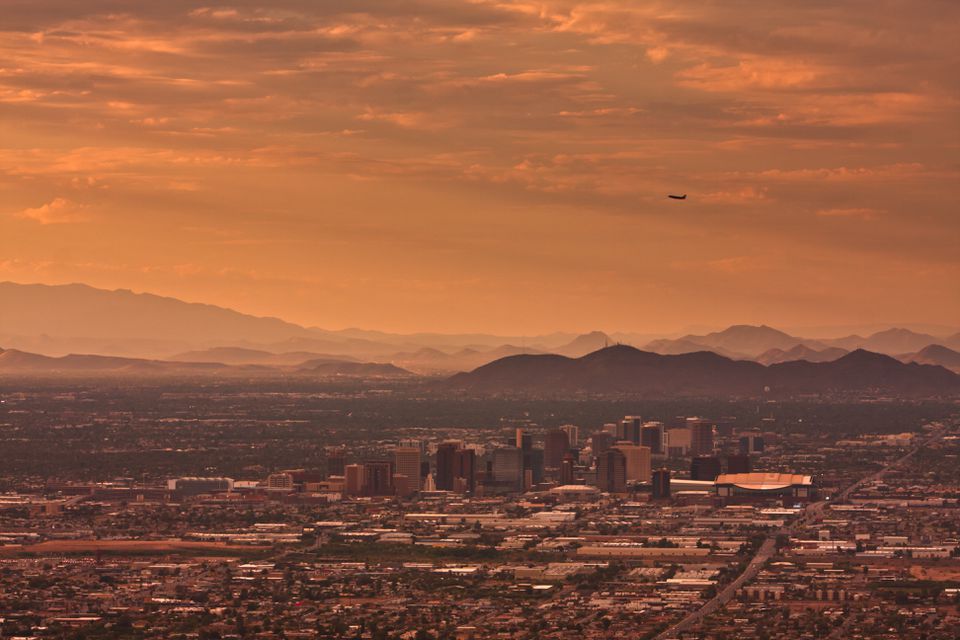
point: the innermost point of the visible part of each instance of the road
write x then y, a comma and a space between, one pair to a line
766, 551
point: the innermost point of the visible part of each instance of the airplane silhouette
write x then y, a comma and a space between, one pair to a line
683, 197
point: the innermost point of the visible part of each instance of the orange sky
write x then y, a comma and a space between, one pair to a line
490, 165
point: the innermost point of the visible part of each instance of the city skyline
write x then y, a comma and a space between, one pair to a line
489, 166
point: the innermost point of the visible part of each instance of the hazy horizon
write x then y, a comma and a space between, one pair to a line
813, 332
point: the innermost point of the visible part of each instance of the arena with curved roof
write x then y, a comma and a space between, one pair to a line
786, 485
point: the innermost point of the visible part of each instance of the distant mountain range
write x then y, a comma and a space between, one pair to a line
20, 362
624, 369
16, 362
743, 341
242, 356
77, 310
801, 352
63, 320
935, 354
746, 342
358, 369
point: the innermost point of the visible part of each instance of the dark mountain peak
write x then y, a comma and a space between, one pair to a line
862, 355
703, 357
614, 351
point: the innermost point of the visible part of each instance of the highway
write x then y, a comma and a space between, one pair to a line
767, 550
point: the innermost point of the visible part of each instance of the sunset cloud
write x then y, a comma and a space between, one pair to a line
862, 213
57, 211
466, 131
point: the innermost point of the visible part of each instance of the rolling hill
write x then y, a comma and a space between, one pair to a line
801, 352
16, 362
896, 340
622, 369
680, 346
736, 341
935, 354
354, 369
240, 356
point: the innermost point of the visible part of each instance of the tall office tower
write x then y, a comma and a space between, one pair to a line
353, 479
336, 460
725, 427
701, 436
524, 440
533, 462
406, 462
600, 442
738, 463
556, 445
446, 463
485, 474
508, 467
377, 478
424, 471
705, 468
751, 443
612, 471
413, 443
652, 435
629, 429
661, 484
465, 470
404, 486
678, 442
573, 434
638, 461
567, 468
611, 428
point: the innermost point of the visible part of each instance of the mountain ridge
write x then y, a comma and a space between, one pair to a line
17, 362
623, 369
58, 320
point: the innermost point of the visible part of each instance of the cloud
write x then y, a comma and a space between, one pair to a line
292, 115
57, 211
740, 196
405, 120
863, 213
